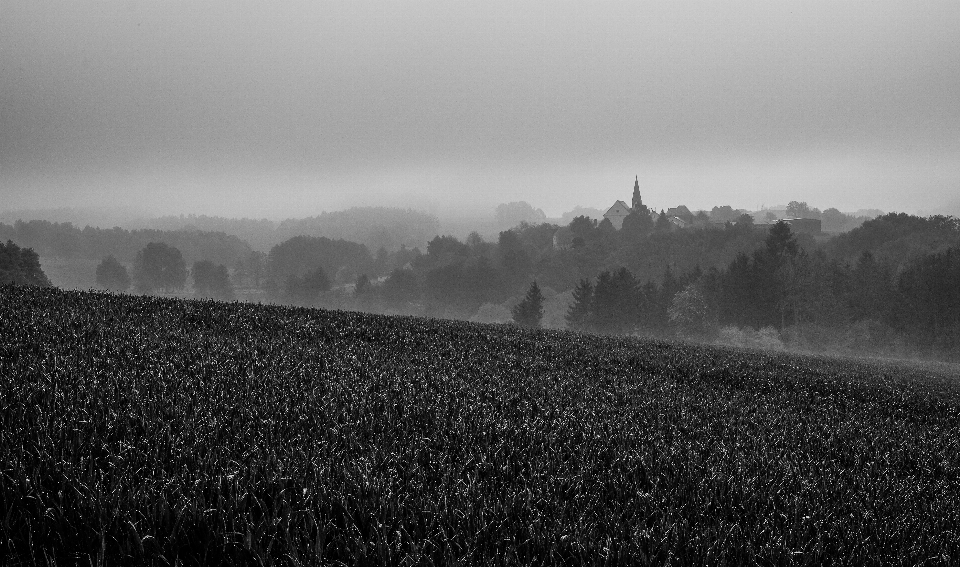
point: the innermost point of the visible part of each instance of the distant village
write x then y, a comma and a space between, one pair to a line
799, 216
681, 217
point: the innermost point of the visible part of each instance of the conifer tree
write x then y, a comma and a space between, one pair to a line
529, 312
579, 315
663, 223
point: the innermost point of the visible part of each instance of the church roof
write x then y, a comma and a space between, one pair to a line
618, 209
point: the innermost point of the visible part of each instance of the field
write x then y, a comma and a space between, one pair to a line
165, 431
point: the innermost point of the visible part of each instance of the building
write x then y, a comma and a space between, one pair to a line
619, 210
617, 213
797, 226
681, 212
804, 226
678, 222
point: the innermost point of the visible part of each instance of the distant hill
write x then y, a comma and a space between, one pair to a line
897, 238
374, 227
102, 217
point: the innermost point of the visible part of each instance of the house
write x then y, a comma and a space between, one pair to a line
678, 222
620, 210
617, 213
681, 212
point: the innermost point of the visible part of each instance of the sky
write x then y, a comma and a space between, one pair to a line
278, 109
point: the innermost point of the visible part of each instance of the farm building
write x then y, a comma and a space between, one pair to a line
804, 226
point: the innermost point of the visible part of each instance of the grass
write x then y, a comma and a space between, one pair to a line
165, 431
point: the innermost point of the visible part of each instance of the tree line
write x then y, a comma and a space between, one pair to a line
815, 301
888, 284
64, 240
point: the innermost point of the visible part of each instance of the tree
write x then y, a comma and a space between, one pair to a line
579, 314
159, 266
211, 280
663, 223
510, 215
872, 293
248, 271
402, 285
606, 227
529, 312
483, 281
442, 246
778, 269
833, 220
112, 275
255, 267
20, 266
446, 284
637, 224
512, 255
798, 210
689, 311
669, 287
781, 243
582, 227
302, 254
306, 289
362, 286
723, 214
615, 301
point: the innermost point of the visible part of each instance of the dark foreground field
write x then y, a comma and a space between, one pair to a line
140, 430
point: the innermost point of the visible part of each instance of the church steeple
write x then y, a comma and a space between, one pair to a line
637, 202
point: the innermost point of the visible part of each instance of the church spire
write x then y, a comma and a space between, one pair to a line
637, 201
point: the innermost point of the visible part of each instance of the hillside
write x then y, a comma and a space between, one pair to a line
136, 429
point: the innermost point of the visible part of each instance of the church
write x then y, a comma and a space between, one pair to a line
620, 210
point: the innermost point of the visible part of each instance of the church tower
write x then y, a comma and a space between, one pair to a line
637, 202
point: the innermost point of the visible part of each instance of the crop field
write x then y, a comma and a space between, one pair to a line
164, 431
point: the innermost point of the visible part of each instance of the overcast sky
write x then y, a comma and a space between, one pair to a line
257, 108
